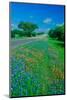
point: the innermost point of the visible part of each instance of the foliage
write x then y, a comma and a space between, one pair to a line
40, 33
17, 32
57, 33
27, 27
34, 34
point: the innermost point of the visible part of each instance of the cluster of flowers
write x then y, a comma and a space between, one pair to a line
22, 83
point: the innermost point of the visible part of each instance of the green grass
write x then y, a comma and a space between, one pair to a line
42, 70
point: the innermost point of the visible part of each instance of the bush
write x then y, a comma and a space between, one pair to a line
17, 33
57, 33
40, 33
34, 34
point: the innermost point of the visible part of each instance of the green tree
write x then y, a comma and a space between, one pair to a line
51, 33
16, 32
40, 33
57, 33
27, 27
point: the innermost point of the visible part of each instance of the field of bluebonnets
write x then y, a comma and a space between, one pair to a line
37, 68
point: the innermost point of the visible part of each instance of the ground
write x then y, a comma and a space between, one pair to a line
37, 67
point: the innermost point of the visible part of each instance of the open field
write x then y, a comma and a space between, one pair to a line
37, 68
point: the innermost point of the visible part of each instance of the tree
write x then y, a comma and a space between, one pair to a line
40, 33
57, 33
60, 32
16, 32
51, 33
27, 27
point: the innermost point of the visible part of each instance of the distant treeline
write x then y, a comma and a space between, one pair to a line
57, 33
25, 29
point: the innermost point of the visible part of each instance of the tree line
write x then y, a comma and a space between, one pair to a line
25, 29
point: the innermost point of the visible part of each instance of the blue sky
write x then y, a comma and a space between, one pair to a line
45, 16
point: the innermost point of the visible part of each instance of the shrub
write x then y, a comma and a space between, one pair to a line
17, 33
57, 33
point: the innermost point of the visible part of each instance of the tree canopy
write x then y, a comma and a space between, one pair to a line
57, 33
27, 27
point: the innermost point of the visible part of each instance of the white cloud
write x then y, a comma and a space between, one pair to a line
31, 16
47, 20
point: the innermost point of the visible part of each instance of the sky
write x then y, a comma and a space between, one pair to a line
45, 16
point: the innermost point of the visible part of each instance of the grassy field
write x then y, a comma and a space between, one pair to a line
37, 68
